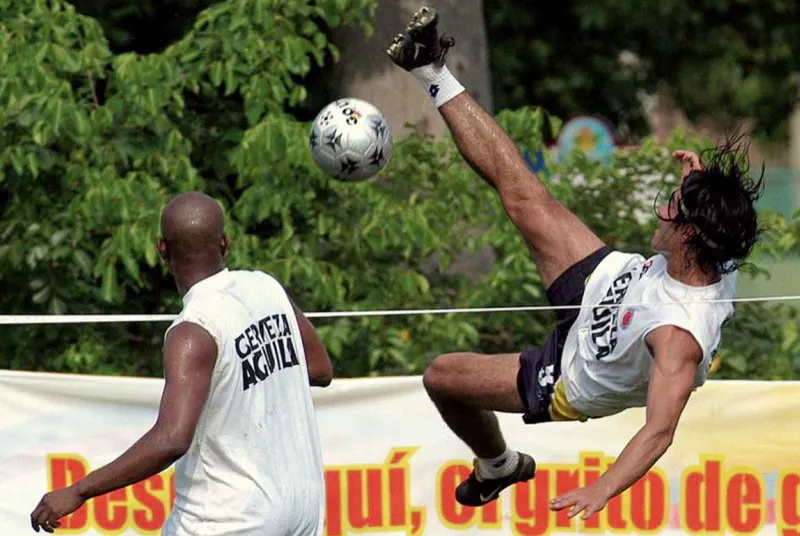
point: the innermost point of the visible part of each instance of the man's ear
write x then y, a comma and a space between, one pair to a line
162, 250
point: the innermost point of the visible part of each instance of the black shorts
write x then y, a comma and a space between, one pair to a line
540, 366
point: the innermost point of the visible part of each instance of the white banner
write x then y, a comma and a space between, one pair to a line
392, 465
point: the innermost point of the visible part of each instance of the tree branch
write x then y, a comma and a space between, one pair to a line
95, 100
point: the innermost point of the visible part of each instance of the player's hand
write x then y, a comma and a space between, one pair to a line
690, 161
53, 507
588, 500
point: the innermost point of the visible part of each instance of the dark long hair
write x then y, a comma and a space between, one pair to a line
717, 208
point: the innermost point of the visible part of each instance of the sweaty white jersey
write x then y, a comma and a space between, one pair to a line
606, 363
254, 467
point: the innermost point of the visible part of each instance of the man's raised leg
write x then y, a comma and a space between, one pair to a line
557, 238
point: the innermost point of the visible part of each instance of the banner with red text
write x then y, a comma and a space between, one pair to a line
392, 465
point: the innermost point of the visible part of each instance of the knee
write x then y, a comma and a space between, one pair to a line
441, 376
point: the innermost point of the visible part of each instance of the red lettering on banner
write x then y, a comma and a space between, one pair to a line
717, 502
593, 467
701, 497
398, 491
567, 479
788, 503
454, 515
372, 497
333, 503
649, 502
643, 508
143, 507
109, 515
490, 517
615, 515
745, 503
376, 498
64, 470
364, 507
153, 513
530, 515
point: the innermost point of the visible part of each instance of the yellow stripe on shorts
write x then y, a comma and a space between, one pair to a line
560, 408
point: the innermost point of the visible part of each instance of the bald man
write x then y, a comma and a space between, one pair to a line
236, 412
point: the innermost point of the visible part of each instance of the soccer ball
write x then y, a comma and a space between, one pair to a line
350, 140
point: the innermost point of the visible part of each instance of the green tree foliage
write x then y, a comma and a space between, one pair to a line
722, 58
94, 143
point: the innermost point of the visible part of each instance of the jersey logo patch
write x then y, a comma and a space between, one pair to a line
265, 348
627, 318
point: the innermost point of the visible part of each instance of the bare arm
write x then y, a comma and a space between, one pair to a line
320, 369
189, 357
676, 355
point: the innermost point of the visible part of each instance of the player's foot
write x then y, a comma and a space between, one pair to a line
420, 44
477, 491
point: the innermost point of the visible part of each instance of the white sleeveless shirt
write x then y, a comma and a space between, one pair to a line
606, 363
255, 465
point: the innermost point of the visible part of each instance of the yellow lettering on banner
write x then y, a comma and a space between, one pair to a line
142, 507
372, 498
787, 503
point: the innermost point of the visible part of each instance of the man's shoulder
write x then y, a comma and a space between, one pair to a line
254, 275
630, 256
618, 262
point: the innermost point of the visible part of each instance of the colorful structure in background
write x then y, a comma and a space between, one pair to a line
594, 137
590, 135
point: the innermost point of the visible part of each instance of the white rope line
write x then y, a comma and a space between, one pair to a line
98, 318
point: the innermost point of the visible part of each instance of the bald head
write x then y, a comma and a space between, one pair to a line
192, 228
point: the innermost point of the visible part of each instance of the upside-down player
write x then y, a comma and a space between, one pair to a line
611, 354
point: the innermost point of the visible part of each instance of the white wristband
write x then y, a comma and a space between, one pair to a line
439, 83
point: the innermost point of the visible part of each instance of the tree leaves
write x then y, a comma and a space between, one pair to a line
87, 162
94, 144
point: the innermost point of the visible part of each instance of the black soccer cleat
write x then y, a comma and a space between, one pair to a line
477, 491
420, 44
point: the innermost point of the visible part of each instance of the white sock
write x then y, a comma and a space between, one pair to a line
503, 465
439, 83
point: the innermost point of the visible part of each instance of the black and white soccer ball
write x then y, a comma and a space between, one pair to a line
350, 140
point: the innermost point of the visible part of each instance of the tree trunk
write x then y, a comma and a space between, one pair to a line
366, 72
